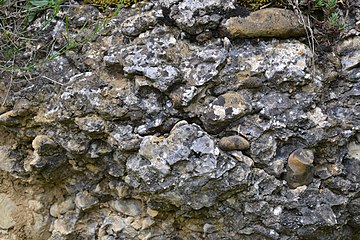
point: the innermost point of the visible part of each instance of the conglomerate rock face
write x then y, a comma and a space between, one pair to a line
168, 127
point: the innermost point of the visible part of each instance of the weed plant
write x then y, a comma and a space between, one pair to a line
22, 49
328, 18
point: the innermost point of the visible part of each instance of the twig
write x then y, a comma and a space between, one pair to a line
47, 78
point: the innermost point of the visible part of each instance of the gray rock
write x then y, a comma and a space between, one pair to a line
112, 224
9, 118
209, 228
91, 124
85, 200
58, 209
195, 17
66, 225
350, 57
130, 207
45, 146
225, 109
139, 23
48, 157
204, 66
147, 60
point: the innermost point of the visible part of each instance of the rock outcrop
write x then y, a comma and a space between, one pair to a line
167, 126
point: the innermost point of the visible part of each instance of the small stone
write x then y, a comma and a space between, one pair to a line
66, 225
130, 207
322, 171
45, 146
35, 205
223, 110
233, 143
92, 125
238, 155
182, 96
354, 150
9, 118
7, 163
300, 169
7, 206
137, 224
84, 200
210, 228
131, 232
48, 157
278, 210
113, 224
54, 210
57, 209
147, 222
349, 50
277, 167
152, 213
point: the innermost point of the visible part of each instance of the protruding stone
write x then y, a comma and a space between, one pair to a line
48, 156
66, 225
300, 168
7, 206
57, 209
112, 224
268, 22
210, 228
354, 150
9, 118
224, 109
130, 207
233, 143
84, 200
45, 146
151, 212
91, 124
147, 222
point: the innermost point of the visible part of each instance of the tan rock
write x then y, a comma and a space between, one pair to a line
300, 169
233, 143
268, 22
151, 212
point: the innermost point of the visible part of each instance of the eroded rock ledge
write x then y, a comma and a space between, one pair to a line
161, 128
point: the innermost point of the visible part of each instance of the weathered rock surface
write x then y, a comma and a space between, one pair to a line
162, 128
